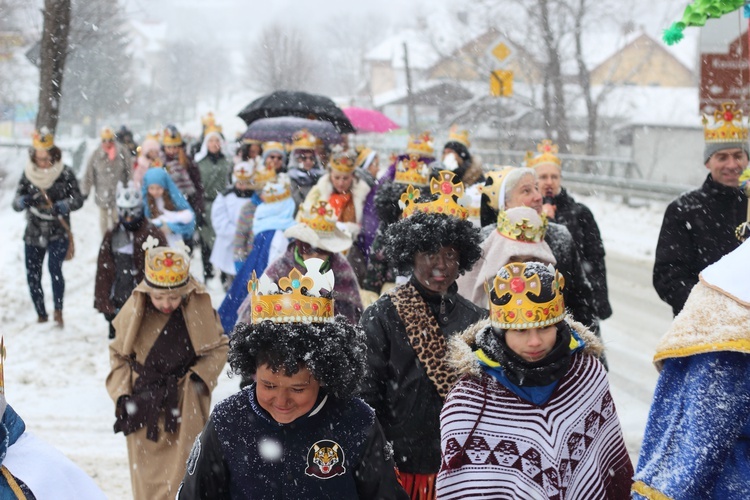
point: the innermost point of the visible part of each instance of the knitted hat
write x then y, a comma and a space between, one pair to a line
728, 131
275, 147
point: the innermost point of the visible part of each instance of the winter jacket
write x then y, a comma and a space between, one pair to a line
698, 229
225, 212
697, 439
225, 462
216, 171
302, 182
498, 444
243, 236
396, 383
187, 177
579, 297
108, 273
580, 222
42, 223
103, 175
323, 190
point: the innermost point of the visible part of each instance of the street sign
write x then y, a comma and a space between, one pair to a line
501, 51
501, 83
724, 63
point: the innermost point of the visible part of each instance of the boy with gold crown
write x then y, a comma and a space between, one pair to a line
168, 352
531, 415
699, 226
407, 377
297, 431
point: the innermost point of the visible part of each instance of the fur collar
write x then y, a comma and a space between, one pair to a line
462, 359
324, 189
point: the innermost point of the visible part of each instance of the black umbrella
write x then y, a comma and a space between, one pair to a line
302, 104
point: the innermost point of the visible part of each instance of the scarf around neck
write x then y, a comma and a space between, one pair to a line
43, 178
523, 373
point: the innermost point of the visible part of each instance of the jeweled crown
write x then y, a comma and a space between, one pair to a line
209, 124
297, 298
42, 139
522, 311
547, 154
421, 145
728, 125
523, 230
243, 171
342, 162
321, 218
278, 190
450, 194
166, 267
303, 140
460, 136
412, 170
494, 183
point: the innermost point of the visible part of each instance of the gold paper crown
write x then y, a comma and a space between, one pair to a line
321, 218
460, 136
413, 171
107, 134
522, 230
243, 172
342, 162
421, 145
154, 136
209, 120
276, 191
362, 154
171, 137
521, 312
728, 125
262, 175
493, 190
296, 299
43, 139
166, 267
303, 140
547, 155
445, 204
273, 145
212, 128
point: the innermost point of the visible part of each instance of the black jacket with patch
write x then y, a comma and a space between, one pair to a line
698, 229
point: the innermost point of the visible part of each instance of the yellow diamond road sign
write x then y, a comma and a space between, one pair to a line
500, 51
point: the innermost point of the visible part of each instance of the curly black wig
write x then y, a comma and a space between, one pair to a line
428, 232
333, 352
386, 202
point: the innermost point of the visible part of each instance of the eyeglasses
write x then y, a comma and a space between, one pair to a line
306, 158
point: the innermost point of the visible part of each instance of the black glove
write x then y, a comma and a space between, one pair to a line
37, 200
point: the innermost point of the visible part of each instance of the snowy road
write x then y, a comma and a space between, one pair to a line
55, 379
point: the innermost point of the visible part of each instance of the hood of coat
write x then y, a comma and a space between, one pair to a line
461, 347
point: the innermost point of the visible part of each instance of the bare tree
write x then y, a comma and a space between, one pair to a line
54, 51
281, 59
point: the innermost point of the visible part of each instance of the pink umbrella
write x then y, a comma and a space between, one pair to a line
369, 120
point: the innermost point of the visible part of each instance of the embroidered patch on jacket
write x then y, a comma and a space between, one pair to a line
325, 459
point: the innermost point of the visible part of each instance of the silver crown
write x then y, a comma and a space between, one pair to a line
130, 196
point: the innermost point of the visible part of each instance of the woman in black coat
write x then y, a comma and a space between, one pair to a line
48, 191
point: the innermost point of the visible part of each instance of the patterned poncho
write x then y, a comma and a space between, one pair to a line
498, 445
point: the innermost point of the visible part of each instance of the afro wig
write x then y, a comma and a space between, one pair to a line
428, 232
333, 352
386, 202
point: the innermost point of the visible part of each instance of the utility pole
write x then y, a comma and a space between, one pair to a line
409, 95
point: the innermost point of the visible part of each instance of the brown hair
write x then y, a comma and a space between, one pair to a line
55, 155
168, 203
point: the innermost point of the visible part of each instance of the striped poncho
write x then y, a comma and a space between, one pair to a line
497, 445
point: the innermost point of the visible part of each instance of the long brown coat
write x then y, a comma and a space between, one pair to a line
156, 468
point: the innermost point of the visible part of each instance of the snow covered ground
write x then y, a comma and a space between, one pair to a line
55, 378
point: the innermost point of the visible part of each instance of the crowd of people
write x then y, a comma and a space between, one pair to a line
422, 327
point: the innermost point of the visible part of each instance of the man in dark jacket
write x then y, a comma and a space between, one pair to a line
406, 333
561, 208
121, 263
699, 226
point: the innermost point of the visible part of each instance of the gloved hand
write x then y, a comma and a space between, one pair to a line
37, 200
157, 222
61, 208
121, 412
238, 265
